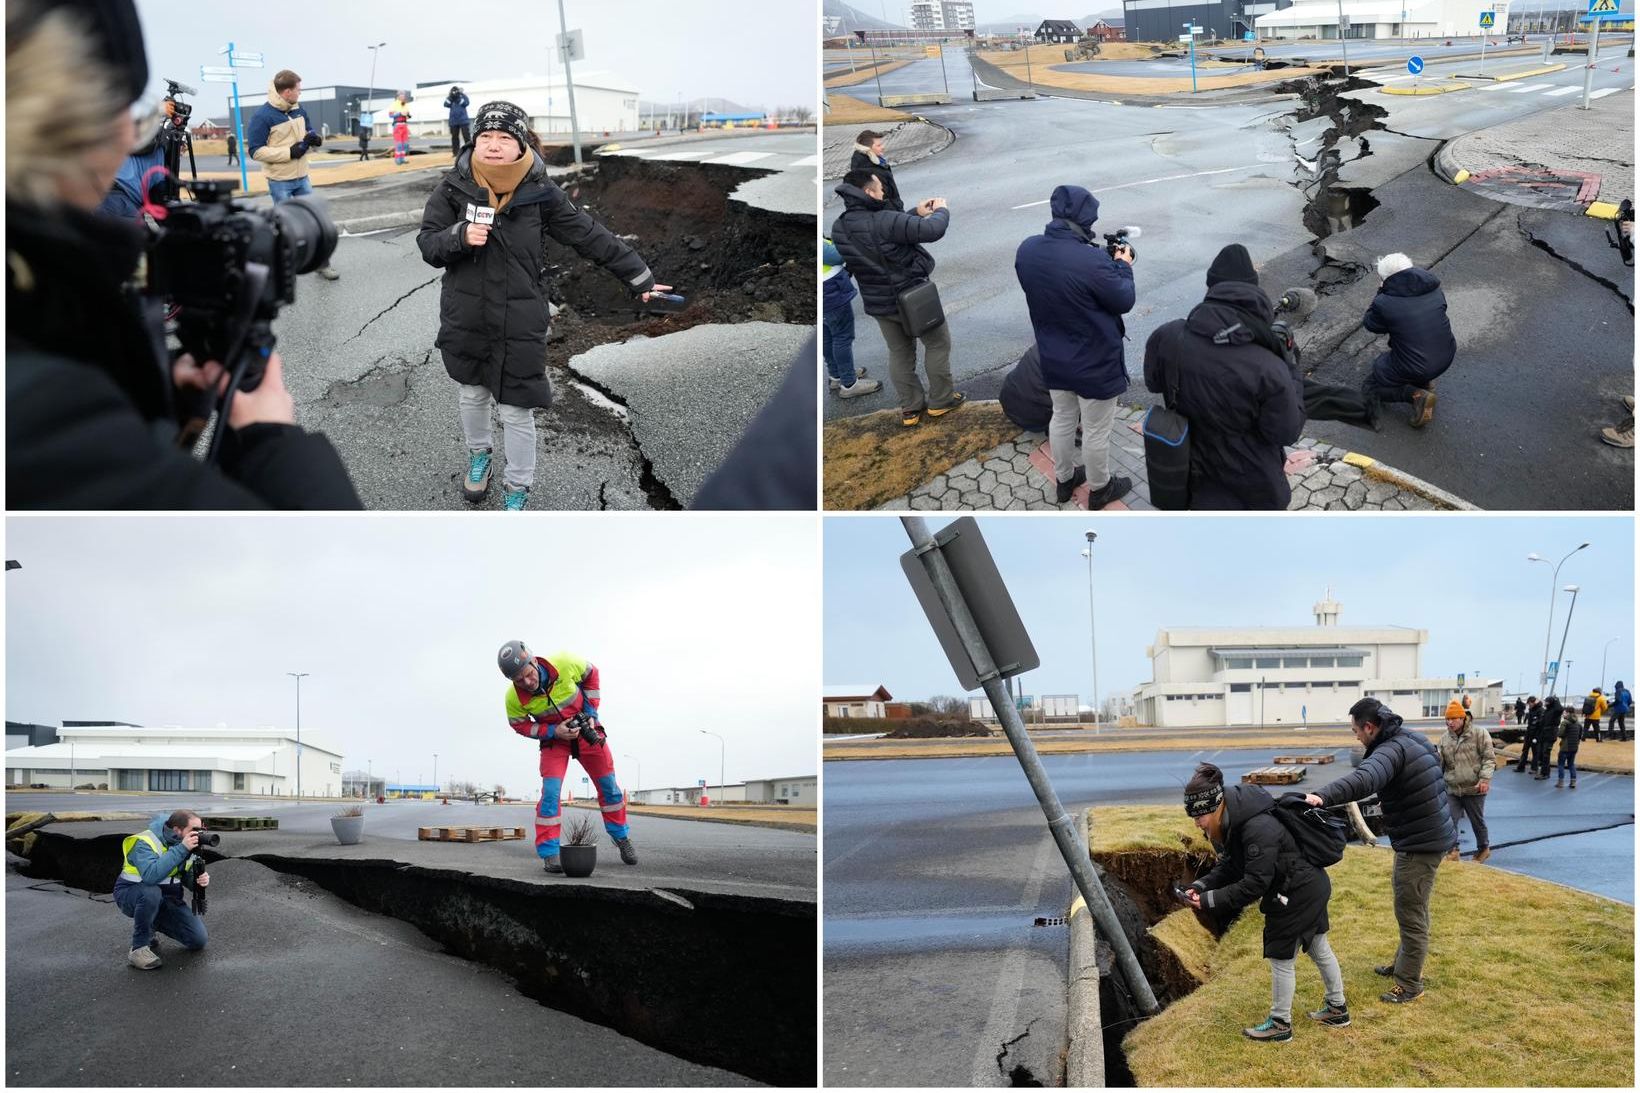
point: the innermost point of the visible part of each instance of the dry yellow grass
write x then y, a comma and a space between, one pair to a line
848, 110
866, 72
1042, 74
1610, 756
873, 458
795, 819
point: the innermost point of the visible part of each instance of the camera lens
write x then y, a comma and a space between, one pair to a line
309, 232
209, 838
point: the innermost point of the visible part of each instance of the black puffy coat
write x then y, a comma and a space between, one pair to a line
883, 249
90, 417
1244, 402
1411, 309
1405, 771
1547, 726
1260, 861
860, 161
493, 317
1024, 395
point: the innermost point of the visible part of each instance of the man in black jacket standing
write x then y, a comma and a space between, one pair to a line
1224, 369
1411, 308
1405, 771
868, 156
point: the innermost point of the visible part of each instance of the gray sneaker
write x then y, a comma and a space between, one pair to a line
552, 864
1329, 1014
858, 388
629, 854
327, 273
144, 959
837, 385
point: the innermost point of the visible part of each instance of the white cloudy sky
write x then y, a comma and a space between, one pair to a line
695, 622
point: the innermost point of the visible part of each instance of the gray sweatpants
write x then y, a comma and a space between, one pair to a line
517, 433
1095, 415
1472, 805
902, 365
1413, 882
1284, 978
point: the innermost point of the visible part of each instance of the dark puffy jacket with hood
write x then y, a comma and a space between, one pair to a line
863, 160
1547, 726
1405, 771
1243, 401
1260, 861
493, 317
1077, 295
456, 103
1411, 309
883, 248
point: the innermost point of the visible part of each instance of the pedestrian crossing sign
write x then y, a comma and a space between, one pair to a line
1486, 16
1602, 6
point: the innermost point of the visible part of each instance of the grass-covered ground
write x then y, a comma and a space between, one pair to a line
1527, 983
848, 110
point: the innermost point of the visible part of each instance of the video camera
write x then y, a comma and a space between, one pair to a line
1120, 238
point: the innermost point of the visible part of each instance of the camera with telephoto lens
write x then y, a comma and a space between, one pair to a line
1121, 237
228, 269
590, 730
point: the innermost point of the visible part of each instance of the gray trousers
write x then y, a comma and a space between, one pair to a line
1474, 806
1095, 415
902, 365
1284, 978
1413, 882
517, 433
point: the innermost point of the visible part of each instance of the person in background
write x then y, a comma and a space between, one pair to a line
842, 377
1467, 765
279, 139
460, 131
1571, 735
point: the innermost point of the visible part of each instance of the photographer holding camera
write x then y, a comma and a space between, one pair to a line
1077, 293
96, 409
279, 139
159, 864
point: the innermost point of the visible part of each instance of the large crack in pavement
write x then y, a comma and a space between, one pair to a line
1329, 206
1544, 246
430, 281
1018, 1074
656, 492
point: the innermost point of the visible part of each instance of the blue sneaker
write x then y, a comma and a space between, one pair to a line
1273, 1029
514, 500
477, 485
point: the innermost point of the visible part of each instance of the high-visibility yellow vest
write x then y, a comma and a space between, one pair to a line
130, 872
561, 696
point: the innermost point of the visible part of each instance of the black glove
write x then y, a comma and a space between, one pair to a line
298, 150
314, 140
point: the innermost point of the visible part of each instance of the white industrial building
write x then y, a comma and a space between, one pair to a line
1378, 19
170, 759
603, 104
855, 700
1274, 675
803, 790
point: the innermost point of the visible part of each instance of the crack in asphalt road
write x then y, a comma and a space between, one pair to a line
394, 304
658, 494
1544, 246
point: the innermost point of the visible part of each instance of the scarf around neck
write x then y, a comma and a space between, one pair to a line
501, 180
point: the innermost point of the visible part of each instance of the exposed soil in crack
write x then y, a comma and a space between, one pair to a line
577, 404
1016, 1074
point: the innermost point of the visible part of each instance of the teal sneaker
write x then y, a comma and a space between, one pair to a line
477, 485
1273, 1029
515, 500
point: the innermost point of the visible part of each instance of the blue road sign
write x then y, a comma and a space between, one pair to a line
1249, 37
1415, 65
1487, 18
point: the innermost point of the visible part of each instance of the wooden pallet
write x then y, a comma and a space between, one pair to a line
468, 834
1301, 759
1274, 776
240, 823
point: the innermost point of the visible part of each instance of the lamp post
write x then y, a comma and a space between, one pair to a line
375, 52
435, 774
1572, 588
1603, 650
1093, 637
1549, 627
369, 778
639, 768
298, 677
722, 750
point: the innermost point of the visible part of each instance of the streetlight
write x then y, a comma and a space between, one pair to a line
369, 778
721, 752
1549, 627
435, 774
1572, 588
1603, 650
298, 677
639, 767
375, 52
1093, 638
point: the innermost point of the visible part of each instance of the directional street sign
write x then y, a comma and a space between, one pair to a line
220, 79
1415, 65
1486, 19
241, 62
572, 46
215, 70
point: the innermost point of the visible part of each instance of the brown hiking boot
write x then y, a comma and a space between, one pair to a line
1398, 994
1620, 435
1423, 408
1452, 855
1482, 854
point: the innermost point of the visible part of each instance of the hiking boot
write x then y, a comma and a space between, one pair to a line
516, 499
1114, 490
835, 384
957, 400
1628, 403
1336, 1016
1452, 855
629, 853
1423, 408
552, 864
1482, 854
1065, 489
1620, 435
476, 486
1273, 1029
1560, 783
1398, 994
859, 387
1573, 785
909, 418
144, 959
327, 273
1540, 777
1383, 969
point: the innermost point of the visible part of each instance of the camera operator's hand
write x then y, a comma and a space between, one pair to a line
203, 880
190, 839
658, 287
314, 140
269, 404
1193, 896
477, 235
1124, 253
567, 730
299, 149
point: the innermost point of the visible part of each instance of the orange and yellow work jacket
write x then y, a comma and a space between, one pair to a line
570, 685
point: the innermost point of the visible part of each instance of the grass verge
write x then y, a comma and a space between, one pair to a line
348, 172
848, 110
1042, 58
873, 458
1521, 973
866, 72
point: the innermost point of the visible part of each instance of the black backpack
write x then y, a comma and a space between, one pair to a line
1588, 705
1320, 835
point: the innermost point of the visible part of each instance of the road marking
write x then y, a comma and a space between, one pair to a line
1148, 181
1563, 91
1603, 92
1497, 87
806, 161
1525, 88
741, 157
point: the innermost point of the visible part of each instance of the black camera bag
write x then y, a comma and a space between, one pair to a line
1167, 450
1320, 835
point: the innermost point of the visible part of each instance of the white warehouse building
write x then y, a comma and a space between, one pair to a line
132, 757
603, 104
1277, 675
1377, 19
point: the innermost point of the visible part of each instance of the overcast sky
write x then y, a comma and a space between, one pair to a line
1464, 579
753, 52
695, 622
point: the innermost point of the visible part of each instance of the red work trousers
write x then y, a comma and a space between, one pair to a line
599, 764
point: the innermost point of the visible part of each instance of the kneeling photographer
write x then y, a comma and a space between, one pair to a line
98, 413
160, 866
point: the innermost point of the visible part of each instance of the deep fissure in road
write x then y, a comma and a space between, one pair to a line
721, 980
1332, 207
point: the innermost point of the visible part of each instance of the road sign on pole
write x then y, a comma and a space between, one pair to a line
993, 609
1487, 20
1415, 65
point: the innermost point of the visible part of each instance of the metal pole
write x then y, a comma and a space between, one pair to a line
298, 677
238, 127
1603, 650
1566, 630
1588, 69
1030, 83
1190, 29
375, 53
1093, 630
1059, 824
876, 70
569, 86
1345, 46
435, 774
943, 76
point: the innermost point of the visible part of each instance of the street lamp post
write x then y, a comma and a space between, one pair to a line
1549, 627
1603, 650
375, 52
722, 751
639, 768
1093, 637
369, 778
1572, 588
298, 677
435, 774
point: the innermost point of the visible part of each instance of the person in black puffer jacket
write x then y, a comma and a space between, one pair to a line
1243, 398
1260, 861
493, 308
1411, 308
1405, 771
98, 414
1546, 730
868, 156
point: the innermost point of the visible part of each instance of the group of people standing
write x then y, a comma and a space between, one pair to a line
1549, 720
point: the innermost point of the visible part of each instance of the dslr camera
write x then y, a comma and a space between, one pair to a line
590, 730
1121, 237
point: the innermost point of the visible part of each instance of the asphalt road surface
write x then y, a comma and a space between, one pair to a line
935, 869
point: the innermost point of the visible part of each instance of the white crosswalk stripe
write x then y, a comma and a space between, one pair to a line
1524, 89
741, 157
806, 161
1495, 87
1603, 92
1563, 91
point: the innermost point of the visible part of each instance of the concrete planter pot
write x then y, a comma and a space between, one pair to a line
578, 861
349, 829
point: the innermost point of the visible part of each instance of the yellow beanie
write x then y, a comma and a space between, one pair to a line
1455, 709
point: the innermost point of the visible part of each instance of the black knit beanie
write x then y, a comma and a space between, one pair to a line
115, 39
504, 117
1232, 264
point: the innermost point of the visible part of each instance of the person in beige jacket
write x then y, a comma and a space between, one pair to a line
279, 139
1467, 765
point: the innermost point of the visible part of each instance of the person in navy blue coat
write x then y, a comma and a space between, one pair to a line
1411, 308
460, 126
1077, 295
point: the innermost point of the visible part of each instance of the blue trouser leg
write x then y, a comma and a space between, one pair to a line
178, 922
838, 344
140, 903
609, 796
547, 821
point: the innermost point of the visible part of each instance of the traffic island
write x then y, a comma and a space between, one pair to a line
1425, 89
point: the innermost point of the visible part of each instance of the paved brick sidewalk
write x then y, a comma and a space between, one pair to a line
903, 143
1593, 146
1018, 476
